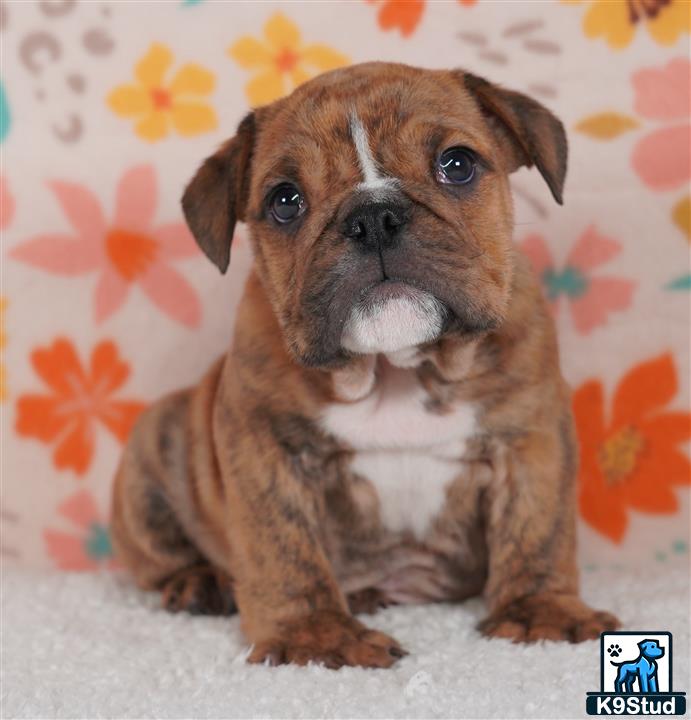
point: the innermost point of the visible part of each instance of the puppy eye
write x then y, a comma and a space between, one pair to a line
455, 166
286, 203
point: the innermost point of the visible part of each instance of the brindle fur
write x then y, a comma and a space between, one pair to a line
230, 493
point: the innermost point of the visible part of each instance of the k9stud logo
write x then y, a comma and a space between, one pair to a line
636, 676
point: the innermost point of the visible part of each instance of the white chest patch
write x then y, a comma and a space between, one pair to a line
408, 453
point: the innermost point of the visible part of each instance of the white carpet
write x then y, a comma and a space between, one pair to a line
91, 646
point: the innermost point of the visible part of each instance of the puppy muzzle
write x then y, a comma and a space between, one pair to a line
392, 316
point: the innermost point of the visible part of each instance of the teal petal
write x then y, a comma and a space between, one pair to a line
97, 543
571, 282
680, 547
5, 118
188, 3
682, 283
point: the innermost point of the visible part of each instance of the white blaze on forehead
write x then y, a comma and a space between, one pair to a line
373, 180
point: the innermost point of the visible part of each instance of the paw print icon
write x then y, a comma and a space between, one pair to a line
614, 650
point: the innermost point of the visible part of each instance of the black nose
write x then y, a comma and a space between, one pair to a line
375, 225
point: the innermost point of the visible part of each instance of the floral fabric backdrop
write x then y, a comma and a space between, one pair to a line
106, 109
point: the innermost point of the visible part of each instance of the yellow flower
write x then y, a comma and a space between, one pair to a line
156, 105
281, 62
617, 20
3, 342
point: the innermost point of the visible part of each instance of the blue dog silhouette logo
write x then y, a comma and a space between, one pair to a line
642, 670
636, 676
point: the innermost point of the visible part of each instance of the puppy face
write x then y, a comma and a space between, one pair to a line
378, 203
651, 649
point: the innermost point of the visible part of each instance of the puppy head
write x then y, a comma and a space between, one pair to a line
651, 649
378, 204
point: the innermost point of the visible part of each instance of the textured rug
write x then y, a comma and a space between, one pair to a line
91, 646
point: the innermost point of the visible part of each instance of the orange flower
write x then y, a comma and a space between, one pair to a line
618, 20
6, 204
631, 459
3, 342
157, 104
80, 396
404, 14
280, 60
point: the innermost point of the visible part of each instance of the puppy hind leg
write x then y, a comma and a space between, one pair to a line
147, 534
199, 590
147, 537
367, 601
152, 544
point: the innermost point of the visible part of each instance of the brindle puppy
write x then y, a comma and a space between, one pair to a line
390, 424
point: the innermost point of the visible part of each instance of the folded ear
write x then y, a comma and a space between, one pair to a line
528, 131
216, 197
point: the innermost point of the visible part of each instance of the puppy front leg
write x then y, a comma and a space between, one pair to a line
291, 607
532, 585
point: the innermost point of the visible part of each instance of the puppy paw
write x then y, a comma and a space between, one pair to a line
199, 590
331, 639
548, 617
368, 601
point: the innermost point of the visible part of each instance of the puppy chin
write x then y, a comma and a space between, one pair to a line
392, 317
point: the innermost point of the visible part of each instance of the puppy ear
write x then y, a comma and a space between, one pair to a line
529, 132
216, 197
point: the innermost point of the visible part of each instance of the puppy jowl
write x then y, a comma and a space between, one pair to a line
390, 425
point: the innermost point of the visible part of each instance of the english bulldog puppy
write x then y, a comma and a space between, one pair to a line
390, 424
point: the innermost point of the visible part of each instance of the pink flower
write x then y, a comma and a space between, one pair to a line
662, 158
6, 204
591, 299
89, 547
126, 252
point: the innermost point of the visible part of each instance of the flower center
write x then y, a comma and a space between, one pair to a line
286, 60
97, 542
131, 253
85, 400
642, 9
570, 281
161, 98
619, 453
